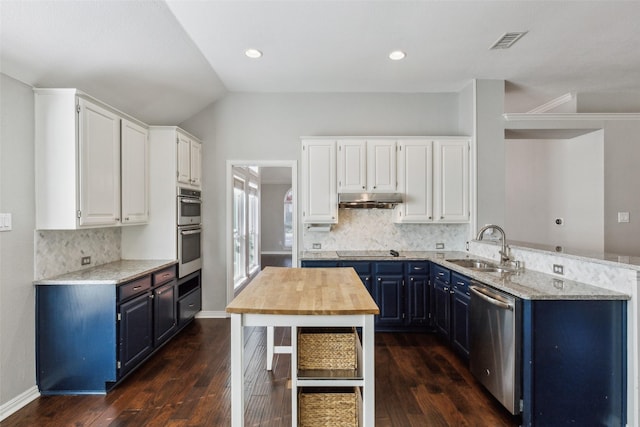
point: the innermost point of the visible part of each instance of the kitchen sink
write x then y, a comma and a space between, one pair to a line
480, 265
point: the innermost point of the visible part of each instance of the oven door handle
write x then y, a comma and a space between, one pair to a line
490, 297
191, 201
188, 232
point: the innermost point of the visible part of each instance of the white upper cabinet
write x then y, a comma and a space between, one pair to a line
135, 173
99, 147
367, 166
189, 161
381, 166
78, 161
415, 160
319, 190
352, 166
451, 180
434, 179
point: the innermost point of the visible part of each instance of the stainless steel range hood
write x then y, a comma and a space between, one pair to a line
369, 200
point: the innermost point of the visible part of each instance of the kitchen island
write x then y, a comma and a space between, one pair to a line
294, 297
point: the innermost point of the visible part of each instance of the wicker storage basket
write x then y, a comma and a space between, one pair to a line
327, 348
328, 407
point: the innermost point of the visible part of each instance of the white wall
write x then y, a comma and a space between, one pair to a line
549, 179
269, 126
17, 186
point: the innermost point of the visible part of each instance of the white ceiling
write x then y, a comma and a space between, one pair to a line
163, 62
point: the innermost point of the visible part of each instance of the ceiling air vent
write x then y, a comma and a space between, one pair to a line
507, 40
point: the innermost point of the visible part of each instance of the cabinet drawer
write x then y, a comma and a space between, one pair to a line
389, 267
189, 306
136, 287
163, 276
440, 273
460, 283
418, 268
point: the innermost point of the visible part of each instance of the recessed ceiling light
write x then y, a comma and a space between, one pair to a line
253, 53
397, 55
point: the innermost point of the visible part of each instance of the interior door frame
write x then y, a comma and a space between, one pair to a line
293, 164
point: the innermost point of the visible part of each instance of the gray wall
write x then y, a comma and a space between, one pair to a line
621, 180
17, 196
272, 217
269, 126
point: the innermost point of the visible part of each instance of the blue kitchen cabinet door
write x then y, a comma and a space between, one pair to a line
418, 301
460, 300
165, 311
389, 297
442, 308
136, 331
75, 338
388, 293
574, 363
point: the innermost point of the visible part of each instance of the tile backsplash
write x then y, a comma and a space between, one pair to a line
373, 229
59, 251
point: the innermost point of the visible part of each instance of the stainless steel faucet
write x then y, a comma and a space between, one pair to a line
504, 252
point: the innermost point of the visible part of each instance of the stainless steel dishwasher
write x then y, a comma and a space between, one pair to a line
494, 348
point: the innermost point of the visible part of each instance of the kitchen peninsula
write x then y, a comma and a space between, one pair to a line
294, 297
570, 343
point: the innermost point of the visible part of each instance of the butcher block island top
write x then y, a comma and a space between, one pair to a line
305, 291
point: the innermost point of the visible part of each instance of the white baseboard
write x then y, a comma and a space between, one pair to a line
275, 253
212, 315
19, 402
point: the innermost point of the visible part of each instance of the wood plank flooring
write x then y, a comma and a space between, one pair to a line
419, 382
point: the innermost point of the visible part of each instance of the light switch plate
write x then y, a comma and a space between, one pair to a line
5, 222
623, 216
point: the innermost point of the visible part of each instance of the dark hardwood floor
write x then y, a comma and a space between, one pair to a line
419, 382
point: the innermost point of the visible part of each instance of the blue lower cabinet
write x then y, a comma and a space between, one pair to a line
388, 284
399, 288
574, 363
459, 313
90, 337
417, 292
136, 332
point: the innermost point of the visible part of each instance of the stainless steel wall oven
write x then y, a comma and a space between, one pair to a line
189, 249
189, 207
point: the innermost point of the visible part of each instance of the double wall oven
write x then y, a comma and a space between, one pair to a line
189, 231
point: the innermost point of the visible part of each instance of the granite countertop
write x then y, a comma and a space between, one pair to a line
113, 273
526, 284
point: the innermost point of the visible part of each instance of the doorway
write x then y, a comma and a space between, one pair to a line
261, 219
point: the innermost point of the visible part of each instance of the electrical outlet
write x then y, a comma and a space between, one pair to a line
623, 216
317, 246
85, 260
558, 269
439, 245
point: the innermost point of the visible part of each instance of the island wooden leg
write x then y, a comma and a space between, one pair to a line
237, 371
